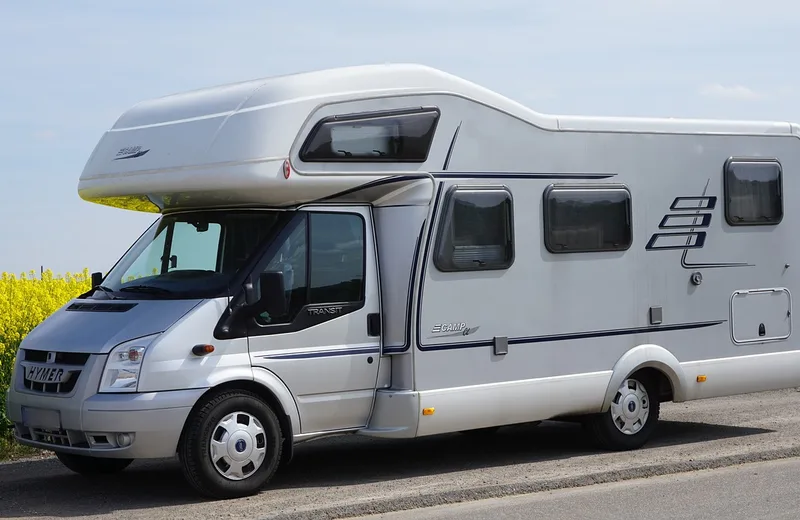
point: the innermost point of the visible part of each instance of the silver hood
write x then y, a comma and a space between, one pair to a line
96, 327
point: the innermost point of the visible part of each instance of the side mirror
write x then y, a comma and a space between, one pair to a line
272, 298
97, 279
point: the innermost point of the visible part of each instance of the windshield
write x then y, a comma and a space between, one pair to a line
191, 255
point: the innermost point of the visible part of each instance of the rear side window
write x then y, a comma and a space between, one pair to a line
389, 136
476, 230
581, 219
753, 192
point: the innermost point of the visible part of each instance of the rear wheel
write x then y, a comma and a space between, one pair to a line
632, 417
232, 446
91, 466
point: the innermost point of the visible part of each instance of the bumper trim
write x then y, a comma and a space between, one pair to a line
152, 421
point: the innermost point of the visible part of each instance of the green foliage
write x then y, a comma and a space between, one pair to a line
26, 301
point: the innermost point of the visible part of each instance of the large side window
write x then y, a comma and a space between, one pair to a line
753, 192
391, 136
322, 262
580, 219
476, 230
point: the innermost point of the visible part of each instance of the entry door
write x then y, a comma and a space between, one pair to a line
326, 347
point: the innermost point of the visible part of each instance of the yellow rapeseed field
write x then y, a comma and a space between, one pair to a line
25, 301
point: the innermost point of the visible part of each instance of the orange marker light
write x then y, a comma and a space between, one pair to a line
202, 350
428, 411
701, 379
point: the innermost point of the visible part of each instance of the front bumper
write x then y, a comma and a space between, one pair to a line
83, 422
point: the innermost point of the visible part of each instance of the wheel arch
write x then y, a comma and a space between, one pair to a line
269, 388
654, 360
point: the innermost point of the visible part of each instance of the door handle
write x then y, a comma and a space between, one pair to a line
373, 324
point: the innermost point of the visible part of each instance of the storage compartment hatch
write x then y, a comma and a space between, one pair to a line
760, 315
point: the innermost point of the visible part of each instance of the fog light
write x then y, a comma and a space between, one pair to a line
124, 440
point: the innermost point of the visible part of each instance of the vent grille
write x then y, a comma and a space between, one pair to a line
101, 307
60, 437
61, 358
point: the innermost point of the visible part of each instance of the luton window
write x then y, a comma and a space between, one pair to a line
753, 194
476, 231
389, 136
587, 219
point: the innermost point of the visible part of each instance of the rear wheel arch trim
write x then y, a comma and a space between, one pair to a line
644, 357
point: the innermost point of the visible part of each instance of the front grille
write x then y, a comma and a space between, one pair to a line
54, 388
71, 362
61, 358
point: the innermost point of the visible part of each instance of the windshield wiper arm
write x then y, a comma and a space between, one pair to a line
146, 289
106, 290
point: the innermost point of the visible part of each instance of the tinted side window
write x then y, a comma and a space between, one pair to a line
753, 192
587, 219
337, 258
291, 259
476, 231
397, 136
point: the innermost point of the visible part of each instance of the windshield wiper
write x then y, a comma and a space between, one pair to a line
106, 290
146, 289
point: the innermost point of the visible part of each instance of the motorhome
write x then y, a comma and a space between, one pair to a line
394, 251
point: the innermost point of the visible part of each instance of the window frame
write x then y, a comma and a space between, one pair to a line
344, 119
547, 197
303, 319
726, 174
362, 299
445, 226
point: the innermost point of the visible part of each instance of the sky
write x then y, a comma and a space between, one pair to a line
68, 70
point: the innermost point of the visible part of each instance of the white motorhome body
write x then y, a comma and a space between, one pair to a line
394, 251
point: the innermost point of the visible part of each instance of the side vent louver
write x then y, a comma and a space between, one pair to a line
101, 307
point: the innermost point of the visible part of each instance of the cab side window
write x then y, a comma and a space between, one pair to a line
337, 258
322, 262
291, 260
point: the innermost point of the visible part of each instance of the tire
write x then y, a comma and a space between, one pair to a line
92, 466
246, 432
631, 419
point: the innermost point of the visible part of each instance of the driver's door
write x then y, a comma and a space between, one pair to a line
326, 346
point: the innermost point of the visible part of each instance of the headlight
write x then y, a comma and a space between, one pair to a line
121, 373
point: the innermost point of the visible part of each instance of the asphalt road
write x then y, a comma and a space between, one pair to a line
764, 490
351, 476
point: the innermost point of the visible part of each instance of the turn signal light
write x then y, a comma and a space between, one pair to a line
428, 411
701, 379
202, 350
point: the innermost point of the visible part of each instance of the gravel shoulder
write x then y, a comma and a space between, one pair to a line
347, 477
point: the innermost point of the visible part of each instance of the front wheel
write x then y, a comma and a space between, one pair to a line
631, 419
232, 445
92, 466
